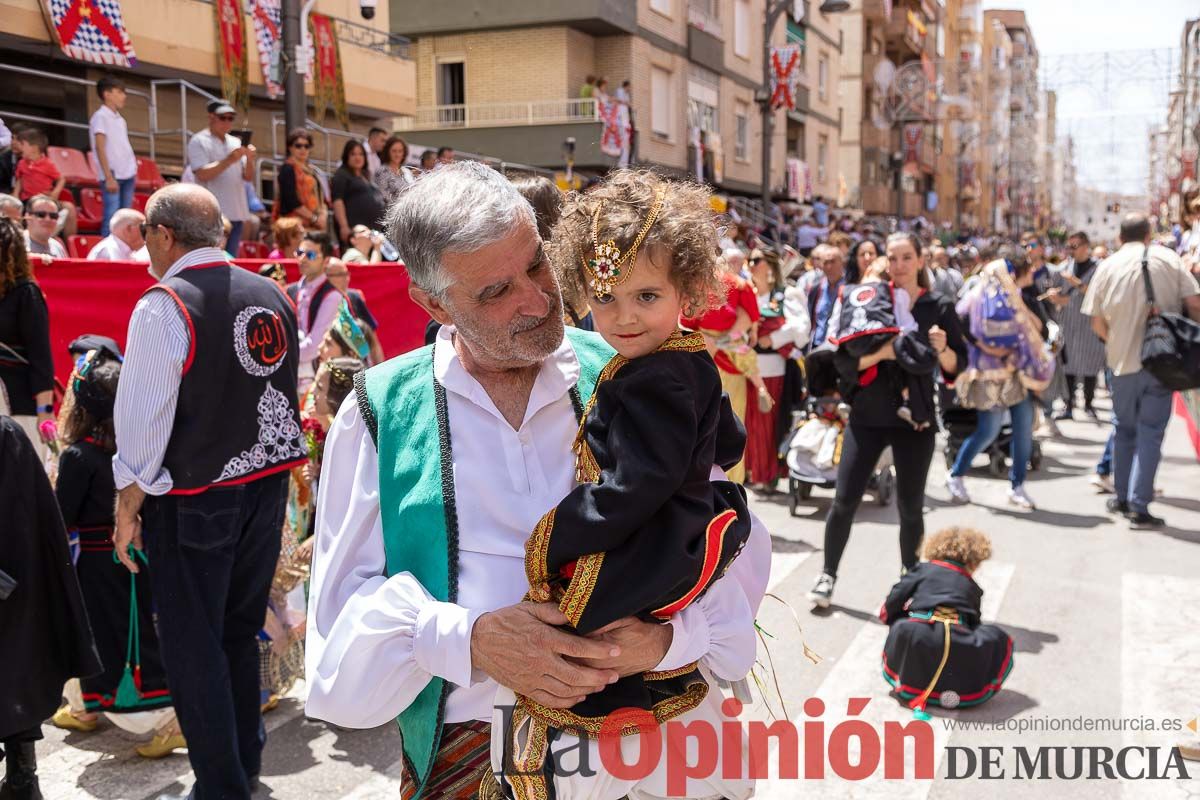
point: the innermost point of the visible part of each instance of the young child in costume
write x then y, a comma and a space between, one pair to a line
938, 602
868, 316
281, 641
647, 530
732, 325
132, 690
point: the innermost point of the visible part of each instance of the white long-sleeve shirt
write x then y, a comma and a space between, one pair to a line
311, 336
144, 414
375, 641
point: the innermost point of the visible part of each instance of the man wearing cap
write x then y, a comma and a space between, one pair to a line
220, 163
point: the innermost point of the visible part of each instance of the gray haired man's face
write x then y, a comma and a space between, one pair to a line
504, 300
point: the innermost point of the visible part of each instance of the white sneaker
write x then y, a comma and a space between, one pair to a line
1017, 497
957, 489
1103, 483
822, 590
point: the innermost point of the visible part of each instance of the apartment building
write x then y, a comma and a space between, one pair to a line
1024, 148
175, 42
891, 134
996, 123
505, 78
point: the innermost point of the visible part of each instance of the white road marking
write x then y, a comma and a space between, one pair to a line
1160, 648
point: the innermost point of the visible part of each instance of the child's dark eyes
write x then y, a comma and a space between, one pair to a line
602, 300
647, 297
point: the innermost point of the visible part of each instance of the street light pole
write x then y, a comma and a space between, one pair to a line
294, 101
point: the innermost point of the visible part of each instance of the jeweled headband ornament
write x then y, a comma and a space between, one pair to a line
351, 332
609, 267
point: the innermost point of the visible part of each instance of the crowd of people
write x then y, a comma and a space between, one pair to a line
368, 176
234, 502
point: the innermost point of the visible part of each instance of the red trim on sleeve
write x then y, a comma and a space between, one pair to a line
868, 375
714, 535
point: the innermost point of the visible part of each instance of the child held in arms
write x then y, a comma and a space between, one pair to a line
647, 530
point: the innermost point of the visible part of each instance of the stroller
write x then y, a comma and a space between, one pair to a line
813, 445
959, 423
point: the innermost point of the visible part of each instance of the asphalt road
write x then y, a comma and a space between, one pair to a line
1106, 623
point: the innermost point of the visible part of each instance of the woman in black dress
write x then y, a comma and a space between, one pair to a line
26, 367
874, 425
356, 201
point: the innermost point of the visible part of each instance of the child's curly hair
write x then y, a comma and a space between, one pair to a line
967, 546
685, 229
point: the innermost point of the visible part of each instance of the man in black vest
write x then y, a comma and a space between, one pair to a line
316, 299
207, 426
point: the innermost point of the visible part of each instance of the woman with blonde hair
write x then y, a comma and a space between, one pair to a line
287, 233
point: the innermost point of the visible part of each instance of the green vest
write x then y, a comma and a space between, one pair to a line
404, 408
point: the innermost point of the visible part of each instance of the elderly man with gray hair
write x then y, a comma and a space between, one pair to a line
436, 471
207, 425
125, 242
10, 207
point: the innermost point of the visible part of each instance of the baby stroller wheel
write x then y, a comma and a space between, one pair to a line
997, 464
885, 486
1035, 457
793, 489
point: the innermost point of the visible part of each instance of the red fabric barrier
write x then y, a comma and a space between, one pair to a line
98, 297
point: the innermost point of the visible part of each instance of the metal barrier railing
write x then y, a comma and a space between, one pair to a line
183, 130
62, 123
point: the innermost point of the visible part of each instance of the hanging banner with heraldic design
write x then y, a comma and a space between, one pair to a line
267, 27
232, 53
329, 88
90, 30
785, 76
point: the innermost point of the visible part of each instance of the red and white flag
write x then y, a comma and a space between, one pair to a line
267, 32
90, 30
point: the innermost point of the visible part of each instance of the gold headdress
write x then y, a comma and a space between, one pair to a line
610, 267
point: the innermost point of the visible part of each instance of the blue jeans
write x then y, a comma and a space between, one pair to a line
1142, 409
987, 428
1105, 465
115, 201
235, 238
214, 556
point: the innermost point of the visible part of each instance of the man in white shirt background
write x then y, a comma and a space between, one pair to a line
221, 164
376, 138
112, 154
125, 243
378, 636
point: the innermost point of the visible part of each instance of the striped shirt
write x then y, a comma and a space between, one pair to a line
155, 350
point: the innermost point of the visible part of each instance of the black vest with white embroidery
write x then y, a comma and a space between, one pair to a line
237, 418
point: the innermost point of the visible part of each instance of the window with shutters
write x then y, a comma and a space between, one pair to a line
661, 100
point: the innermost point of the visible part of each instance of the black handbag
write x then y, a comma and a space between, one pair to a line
1171, 345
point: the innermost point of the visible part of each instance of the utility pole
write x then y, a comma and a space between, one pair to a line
295, 62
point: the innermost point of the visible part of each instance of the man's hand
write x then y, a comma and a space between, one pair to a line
520, 647
110, 185
129, 531
251, 152
643, 645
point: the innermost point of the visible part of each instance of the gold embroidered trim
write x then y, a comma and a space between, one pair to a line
670, 673
579, 590
526, 778
663, 710
536, 551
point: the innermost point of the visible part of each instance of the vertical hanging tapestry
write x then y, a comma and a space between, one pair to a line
613, 138
90, 30
231, 53
785, 76
328, 87
267, 27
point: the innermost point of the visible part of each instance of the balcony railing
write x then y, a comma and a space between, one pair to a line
487, 115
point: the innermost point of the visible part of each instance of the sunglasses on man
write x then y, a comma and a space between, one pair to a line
311, 255
43, 214
227, 117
